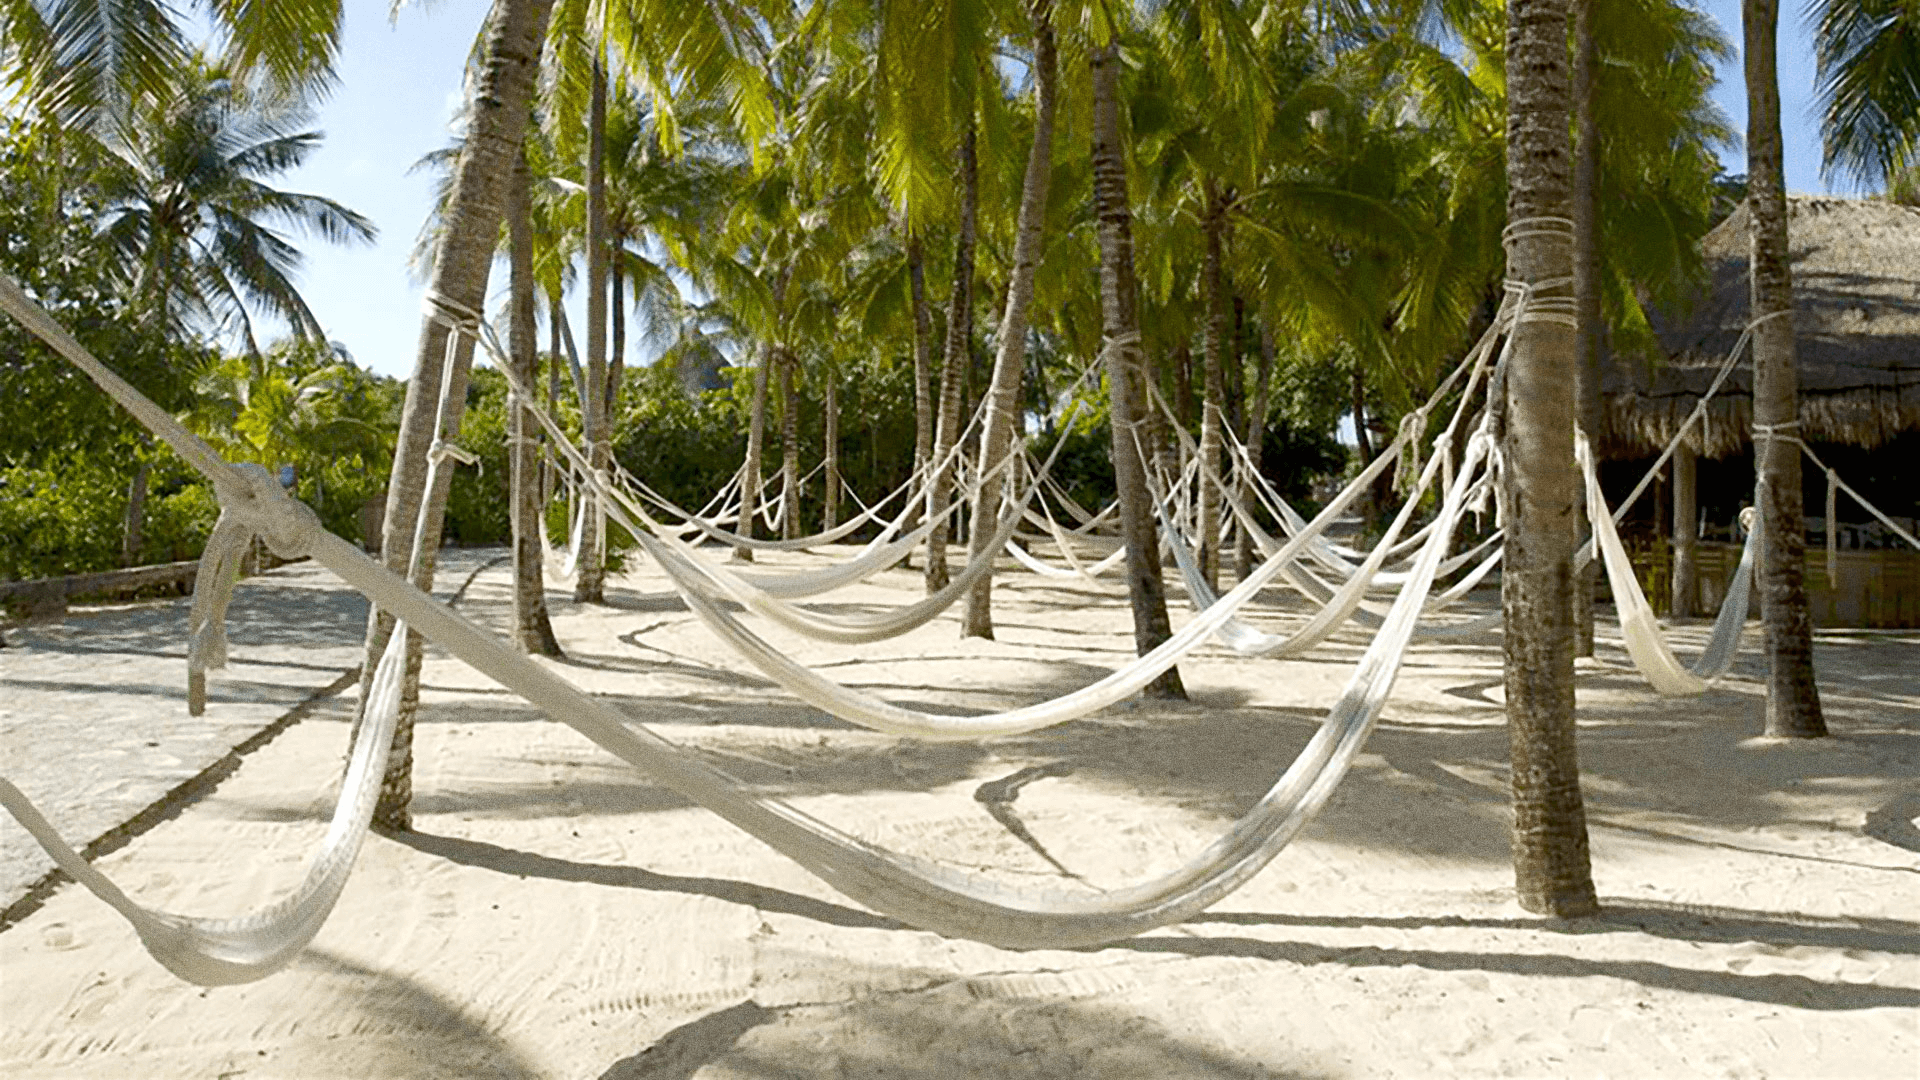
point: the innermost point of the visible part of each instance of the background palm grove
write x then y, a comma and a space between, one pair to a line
833, 195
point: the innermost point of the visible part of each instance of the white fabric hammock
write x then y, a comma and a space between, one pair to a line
925, 894
1646, 645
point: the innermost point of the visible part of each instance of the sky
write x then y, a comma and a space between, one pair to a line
400, 84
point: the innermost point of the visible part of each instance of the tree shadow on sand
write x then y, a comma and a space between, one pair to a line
944, 1032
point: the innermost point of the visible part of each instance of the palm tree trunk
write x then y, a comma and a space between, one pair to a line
789, 446
1214, 300
589, 584
1586, 294
1010, 357
1552, 871
954, 359
922, 355
617, 338
756, 447
497, 119
830, 508
1363, 437
1256, 439
133, 534
1793, 698
1126, 374
1182, 366
532, 629
1686, 525
548, 473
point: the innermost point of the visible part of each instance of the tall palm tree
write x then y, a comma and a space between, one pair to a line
1793, 697
1869, 77
1010, 353
532, 627
956, 353
498, 110
596, 422
187, 208
1586, 290
1126, 377
1552, 870
85, 61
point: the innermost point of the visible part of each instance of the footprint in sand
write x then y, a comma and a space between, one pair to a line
60, 937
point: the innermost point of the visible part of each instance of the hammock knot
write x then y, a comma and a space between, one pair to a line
288, 525
1406, 471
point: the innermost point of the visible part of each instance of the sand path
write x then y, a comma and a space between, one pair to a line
554, 915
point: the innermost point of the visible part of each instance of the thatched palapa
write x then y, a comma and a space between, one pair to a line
1856, 295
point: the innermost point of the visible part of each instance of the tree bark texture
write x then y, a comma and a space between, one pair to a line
1213, 298
1126, 376
1256, 438
1551, 866
756, 448
1010, 354
1793, 697
133, 532
532, 629
589, 583
954, 359
922, 361
1363, 439
789, 446
498, 112
1686, 518
830, 504
1586, 294
616, 331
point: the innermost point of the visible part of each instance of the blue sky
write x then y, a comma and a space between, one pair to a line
400, 81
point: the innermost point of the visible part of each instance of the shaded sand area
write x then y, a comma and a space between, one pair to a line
93, 710
555, 915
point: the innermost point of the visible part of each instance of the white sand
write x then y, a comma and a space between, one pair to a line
557, 916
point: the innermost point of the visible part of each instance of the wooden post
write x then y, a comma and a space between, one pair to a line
1686, 516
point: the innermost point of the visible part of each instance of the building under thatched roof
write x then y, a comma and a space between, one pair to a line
1856, 296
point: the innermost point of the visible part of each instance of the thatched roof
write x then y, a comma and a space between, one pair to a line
1856, 295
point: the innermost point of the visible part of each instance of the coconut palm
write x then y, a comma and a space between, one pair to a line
195, 227
83, 61
500, 96
1126, 377
1793, 698
1869, 77
532, 628
1010, 354
1551, 865
188, 209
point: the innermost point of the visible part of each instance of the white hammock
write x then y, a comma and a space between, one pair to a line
922, 893
1641, 632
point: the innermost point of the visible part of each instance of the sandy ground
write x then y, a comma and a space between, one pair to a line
93, 715
555, 915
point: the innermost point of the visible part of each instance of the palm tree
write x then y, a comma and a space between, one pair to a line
955, 355
532, 628
186, 208
1869, 76
1551, 866
500, 97
1793, 697
1586, 290
84, 62
1010, 354
590, 584
1126, 382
